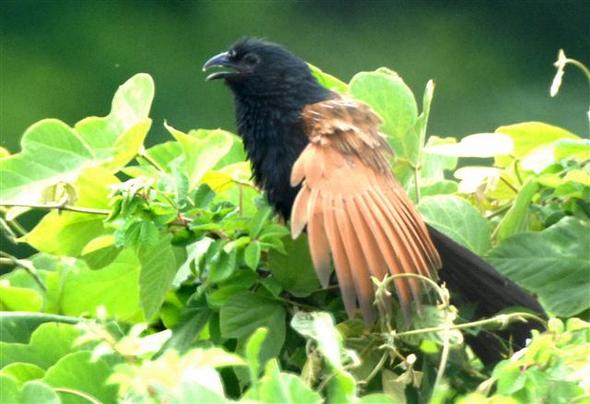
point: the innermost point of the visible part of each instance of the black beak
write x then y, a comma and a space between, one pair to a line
221, 60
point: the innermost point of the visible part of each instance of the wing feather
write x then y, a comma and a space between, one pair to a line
356, 214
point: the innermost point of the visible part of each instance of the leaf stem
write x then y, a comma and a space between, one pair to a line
30, 269
78, 393
501, 318
150, 160
60, 206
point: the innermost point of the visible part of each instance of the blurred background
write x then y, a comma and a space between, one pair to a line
491, 60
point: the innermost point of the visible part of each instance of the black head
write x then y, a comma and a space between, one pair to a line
258, 68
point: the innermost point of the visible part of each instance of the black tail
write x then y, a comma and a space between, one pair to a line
473, 281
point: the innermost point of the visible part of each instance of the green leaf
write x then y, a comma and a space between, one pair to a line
158, 268
202, 150
53, 153
33, 392
184, 333
327, 80
459, 220
532, 138
376, 398
49, 342
294, 270
19, 299
71, 231
319, 326
23, 372
253, 349
388, 95
515, 219
280, 387
252, 255
553, 264
578, 149
116, 287
77, 371
435, 165
477, 145
36, 392
256, 224
19, 326
246, 312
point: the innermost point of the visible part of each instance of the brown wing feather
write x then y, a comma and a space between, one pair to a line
355, 211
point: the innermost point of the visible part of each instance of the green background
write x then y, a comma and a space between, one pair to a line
492, 61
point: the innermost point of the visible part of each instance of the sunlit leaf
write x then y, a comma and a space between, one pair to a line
457, 219
327, 80
553, 264
478, 145
392, 99
514, 221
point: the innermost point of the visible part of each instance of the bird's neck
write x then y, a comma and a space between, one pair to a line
274, 137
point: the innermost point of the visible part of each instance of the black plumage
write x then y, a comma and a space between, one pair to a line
271, 89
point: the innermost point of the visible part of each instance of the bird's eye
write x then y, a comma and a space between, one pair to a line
251, 59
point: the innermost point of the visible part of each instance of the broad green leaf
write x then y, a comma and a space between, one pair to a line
78, 372
252, 255
19, 299
280, 387
52, 153
319, 326
578, 149
434, 166
515, 219
294, 270
189, 392
49, 342
4, 152
36, 392
185, 332
531, 137
327, 80
422, 121
33, 392
253, 348
439, 187
392, 99
459, 220
66, 233
246, 312
376, 398
18, 326
202, 150
158, 268
554, 264
473, 177
477, 145
23, 372
116, 287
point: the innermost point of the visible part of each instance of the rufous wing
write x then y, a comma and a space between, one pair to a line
356, 214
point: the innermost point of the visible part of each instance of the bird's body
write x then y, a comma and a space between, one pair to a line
323, 163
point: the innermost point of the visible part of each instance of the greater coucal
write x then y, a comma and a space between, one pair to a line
324, 164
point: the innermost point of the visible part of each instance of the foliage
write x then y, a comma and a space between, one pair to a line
161, 274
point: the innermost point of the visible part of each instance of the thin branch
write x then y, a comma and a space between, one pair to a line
30, 269
502, 318
78, 393
60, 206
151, 161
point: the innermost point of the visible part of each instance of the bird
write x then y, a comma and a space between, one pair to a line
324, 166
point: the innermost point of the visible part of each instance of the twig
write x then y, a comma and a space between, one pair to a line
10, 259
150, 160
78, 393
60, 206
499, 318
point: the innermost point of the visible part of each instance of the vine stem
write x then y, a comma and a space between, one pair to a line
60, 206
78, 393
501, 318
12, 260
